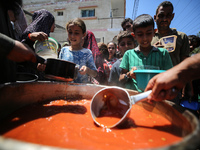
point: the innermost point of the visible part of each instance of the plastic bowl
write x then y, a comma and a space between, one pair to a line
47, 48
143, 77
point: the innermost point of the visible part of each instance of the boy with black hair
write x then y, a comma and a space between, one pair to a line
125, 41
194, 42
127, 25
144, 54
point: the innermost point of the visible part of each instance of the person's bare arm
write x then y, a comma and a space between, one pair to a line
21, 53
174, 78
90, 72
125, 75
40, 36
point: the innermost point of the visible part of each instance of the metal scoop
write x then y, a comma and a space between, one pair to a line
111, 106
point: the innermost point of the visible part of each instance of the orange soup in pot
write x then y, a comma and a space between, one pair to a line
68, 124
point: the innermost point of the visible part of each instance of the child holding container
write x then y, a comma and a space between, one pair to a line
75, 53
144, 54
125, 42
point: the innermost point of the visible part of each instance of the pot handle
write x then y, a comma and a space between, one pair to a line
40, 59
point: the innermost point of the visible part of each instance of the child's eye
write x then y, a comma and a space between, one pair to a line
149, 33
122, 44
76, 33
69, 32
140, 35
129, 44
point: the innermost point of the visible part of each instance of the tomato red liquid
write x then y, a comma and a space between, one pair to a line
112, 111
68, 124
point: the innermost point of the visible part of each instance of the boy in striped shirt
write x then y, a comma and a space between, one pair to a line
143, 55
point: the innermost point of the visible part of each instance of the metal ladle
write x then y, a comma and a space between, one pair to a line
114, 103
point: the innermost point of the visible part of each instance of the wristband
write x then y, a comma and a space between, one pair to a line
29, 36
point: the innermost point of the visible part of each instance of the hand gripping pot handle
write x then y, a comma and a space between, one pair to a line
40, 59
77, 69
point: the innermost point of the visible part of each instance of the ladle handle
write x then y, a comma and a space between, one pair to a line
140, 97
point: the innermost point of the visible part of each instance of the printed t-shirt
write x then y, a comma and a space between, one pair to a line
182, 45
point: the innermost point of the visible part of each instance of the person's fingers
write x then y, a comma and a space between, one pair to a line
134, 76
160, 96
166, 95
45, 36
171, 93
41, 37
150, 85
157, 89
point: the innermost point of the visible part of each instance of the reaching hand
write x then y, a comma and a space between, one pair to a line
165, 86
131, 73
83, 70
40, 36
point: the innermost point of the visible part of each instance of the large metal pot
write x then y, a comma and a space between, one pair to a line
17, 95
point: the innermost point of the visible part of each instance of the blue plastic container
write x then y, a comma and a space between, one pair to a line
143, 76
194, 105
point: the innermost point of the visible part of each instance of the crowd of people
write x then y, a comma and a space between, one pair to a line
138, 44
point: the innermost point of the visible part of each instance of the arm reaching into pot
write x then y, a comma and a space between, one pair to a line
85, 70
167, 84
15, 50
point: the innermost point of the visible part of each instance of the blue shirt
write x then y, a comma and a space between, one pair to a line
81, 57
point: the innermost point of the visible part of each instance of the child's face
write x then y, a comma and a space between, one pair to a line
144, 36
75, 34
125, 44
111, 49
128, 27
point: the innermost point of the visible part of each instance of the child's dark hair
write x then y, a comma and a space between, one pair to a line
124, 34
125, 21
77, 22
165, 4
103, 50
143, 20
113, 43
194, 39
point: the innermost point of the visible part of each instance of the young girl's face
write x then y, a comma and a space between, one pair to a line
144, 36
75, 34
111, 49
